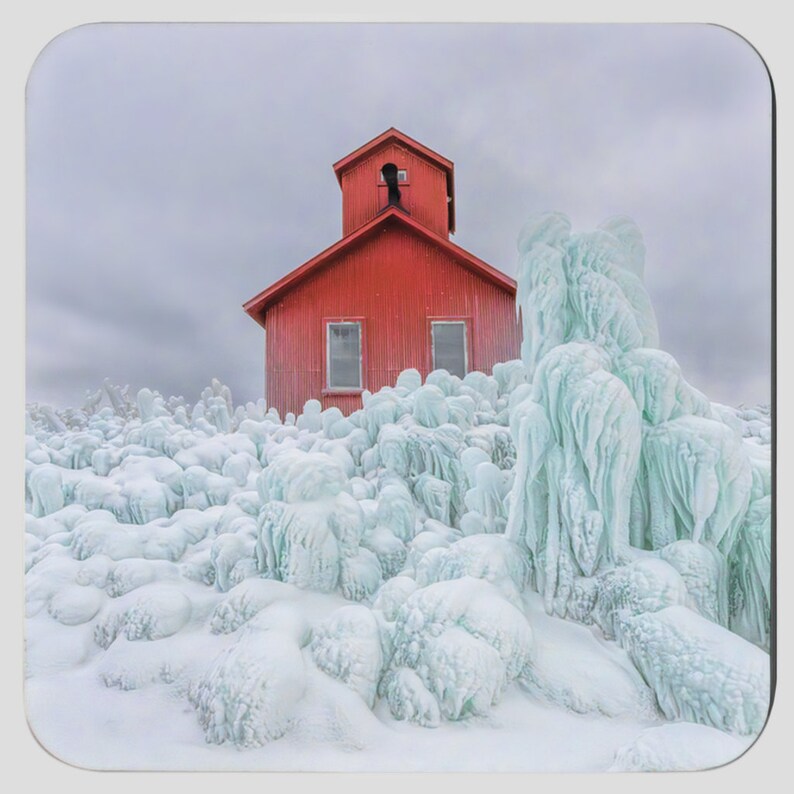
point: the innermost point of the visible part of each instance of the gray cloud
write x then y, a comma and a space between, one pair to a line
176, 170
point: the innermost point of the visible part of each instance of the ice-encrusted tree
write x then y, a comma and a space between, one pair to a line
617, 453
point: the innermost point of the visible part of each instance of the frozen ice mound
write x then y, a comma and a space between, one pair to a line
348, 646
246, 600
249, 694
486, 499
47, 577
492, 558
409, 698
310, 530
390, 551
172, 662
705, 576
152, 613
646, 585
75, 604
232, 556
464, 641
677, 747
574, 669
131, 573
45, 484
699, 671
393, 594
98, 532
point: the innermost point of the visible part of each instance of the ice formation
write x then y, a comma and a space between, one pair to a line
249, 692
580, 531
578, 437
699, 671
646, 585
597, 678
464, 641
348, 646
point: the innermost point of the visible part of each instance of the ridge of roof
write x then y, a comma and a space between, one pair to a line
255, 306
345, 162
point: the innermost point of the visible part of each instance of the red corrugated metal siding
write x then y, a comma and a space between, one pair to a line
426, 194
395, 280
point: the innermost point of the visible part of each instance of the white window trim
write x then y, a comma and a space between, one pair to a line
434, 323
328, 386
399, 171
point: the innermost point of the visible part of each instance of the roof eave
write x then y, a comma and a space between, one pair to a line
451, 194
258, 304
256, 307
342, 165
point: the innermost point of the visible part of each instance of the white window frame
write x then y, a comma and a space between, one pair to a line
328, 386
465, 325
400, 181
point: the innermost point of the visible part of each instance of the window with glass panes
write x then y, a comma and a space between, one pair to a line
344, 355
449, 346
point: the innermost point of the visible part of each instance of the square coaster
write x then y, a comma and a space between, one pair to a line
400, 397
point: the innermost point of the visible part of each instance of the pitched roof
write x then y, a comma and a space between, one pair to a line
257, 305
393, 134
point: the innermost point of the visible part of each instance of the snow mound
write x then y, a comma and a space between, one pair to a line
245, 601
466, 643
490, 557
249, 693
347, 645
156, 612
646, 585
678, 747
310, 530
705, 575
699, 671
575, 670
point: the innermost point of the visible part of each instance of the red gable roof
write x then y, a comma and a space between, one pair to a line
257, 305
393, 134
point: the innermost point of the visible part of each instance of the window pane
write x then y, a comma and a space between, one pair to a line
344, 355
402, 175
449, 347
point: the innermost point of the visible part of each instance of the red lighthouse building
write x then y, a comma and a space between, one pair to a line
393, 293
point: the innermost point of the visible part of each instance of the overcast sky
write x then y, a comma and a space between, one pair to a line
174, 171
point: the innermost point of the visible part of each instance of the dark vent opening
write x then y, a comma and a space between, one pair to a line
389, 172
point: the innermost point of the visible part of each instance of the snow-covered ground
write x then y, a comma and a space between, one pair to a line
563, 565
154, 727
